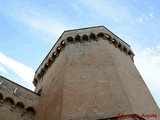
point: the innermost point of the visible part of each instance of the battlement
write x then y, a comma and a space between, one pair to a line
80, 36
17, 97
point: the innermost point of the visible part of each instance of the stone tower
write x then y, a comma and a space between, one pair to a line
90, 74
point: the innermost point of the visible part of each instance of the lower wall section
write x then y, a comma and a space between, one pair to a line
16, 102
9, 111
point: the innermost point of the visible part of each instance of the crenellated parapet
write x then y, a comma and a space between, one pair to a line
14, 97
81, 36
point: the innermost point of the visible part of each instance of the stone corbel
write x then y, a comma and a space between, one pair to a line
89, 39
81, 40
124, 49
12, 107
63, 43
96, 38
46, 66
42, 72
121, 48
50, 60
35, 81
115, 43
112, 41
23, 112
38, 77
106, 36
126, 52
59, 49
74, 41
54, 55
1, 102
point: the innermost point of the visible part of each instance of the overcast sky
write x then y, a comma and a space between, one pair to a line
29, 29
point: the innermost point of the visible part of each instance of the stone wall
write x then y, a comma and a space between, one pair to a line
16, 102
90, 74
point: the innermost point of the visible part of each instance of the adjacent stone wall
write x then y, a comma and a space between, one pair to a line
16, 102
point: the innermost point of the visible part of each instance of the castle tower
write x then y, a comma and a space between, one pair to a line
90, 74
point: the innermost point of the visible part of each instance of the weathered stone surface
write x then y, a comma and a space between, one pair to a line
16, 102
92, 79
89, 74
